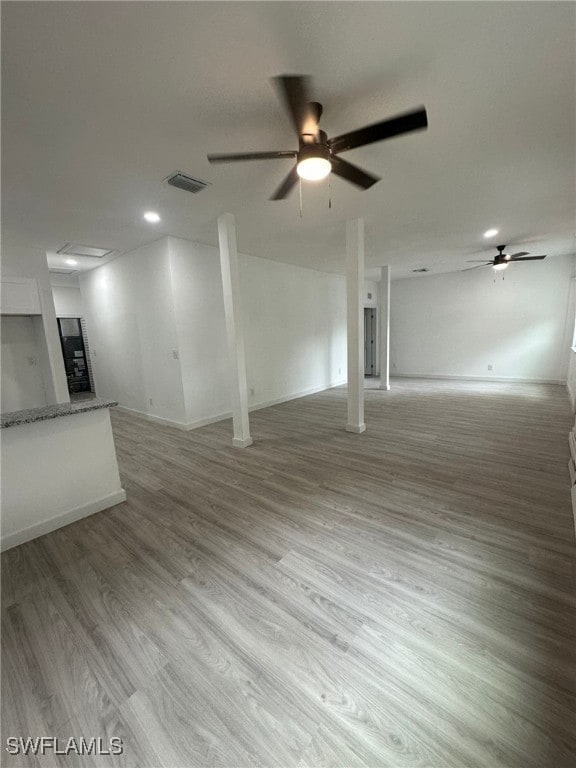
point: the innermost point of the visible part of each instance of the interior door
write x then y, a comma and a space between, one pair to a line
74, 353
369, 341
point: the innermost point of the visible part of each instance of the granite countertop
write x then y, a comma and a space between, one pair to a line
30, 415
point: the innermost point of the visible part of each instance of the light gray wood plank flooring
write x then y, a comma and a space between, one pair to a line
403, 597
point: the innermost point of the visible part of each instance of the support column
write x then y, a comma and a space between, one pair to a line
384, 330
234, 329
355, 320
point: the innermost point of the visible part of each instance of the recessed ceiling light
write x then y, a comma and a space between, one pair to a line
152, 217
491, 233
72, 262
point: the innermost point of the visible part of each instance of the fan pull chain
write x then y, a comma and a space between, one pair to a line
300, 196
329, 192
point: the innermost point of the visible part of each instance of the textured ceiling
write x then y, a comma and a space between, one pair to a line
101, 101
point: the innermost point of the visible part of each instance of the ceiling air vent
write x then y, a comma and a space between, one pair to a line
62, 271
185, 182
423, 269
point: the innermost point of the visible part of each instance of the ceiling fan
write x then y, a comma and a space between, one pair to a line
317, 155
502, 260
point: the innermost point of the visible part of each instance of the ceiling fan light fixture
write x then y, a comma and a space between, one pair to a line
500, 266
314, 168
313, 162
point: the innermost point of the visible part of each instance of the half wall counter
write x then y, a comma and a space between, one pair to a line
58, 465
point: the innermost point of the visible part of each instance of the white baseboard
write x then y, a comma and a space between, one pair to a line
62, 519
186, 426
208, 420
295, 395
151, 417
503, 379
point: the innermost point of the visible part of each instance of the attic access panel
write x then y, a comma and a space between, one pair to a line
72, 249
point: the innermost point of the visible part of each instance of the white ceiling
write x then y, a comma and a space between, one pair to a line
101, 101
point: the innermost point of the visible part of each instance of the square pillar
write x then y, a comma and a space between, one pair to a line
234, 329
355, 323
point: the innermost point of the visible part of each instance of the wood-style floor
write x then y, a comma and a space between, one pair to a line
403, 597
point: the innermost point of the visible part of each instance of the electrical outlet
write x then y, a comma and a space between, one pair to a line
489, 367
31, 360
175, 354
151, 401
251, 391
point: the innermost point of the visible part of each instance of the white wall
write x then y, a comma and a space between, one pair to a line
370, 293
31, 263
130, 321
294, 329
22, 382
570, 338
168, 296
199, 313
458, 324
67, 297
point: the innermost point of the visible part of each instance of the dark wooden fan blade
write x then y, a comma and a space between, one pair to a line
474, 261
352, 173
516, 255
295, 92
527, 258
240, 156
386, 129
486, 264
286, 187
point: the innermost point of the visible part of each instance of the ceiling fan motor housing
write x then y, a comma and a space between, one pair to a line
315, 150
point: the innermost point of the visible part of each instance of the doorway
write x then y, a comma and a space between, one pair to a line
75, 355
369, 341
